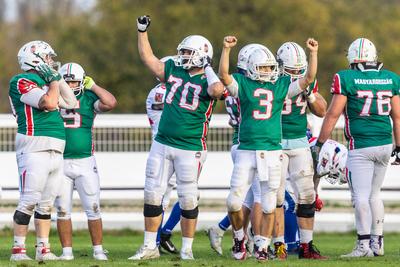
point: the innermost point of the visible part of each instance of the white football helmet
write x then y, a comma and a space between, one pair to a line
34, 53
199, 48
332, 162
73, 72
361, 50
261, 57
292, 60
244, 54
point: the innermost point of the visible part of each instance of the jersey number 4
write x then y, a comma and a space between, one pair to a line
382, 102
184, 102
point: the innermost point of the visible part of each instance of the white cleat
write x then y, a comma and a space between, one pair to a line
100, 255
19, 254
376, 245
360, 250
187, 255
66, 257
145, 253
43, 253
215, 236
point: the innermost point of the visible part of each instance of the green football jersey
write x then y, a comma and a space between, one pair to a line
367, 121
78, 124
187, 109
294, 116
32, 121
260, 109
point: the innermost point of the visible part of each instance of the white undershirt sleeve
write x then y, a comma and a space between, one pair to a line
32, 98
294, 89
233, 88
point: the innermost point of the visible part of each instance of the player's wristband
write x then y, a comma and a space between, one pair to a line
211, 76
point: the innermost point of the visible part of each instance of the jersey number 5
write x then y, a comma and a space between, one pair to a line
184, 102
266, 97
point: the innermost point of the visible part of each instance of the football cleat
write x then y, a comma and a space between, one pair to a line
19, 254
145, 253
376, 244
309, 251
166, 243
66, 257
360, 250
239, 249
187, 255
215, 236
263, 254
100, 255
43, 253
280, 251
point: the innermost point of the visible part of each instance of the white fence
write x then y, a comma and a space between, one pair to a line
123, 142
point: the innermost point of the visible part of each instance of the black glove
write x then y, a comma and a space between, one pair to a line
315, 153
207, 61
143, 22
396, 153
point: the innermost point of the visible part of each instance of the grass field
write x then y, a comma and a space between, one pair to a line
123, 244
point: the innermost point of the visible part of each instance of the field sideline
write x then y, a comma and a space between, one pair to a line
123, 244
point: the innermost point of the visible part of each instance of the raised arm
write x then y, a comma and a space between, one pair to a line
106, 100
304, 82
155, 65
226, 78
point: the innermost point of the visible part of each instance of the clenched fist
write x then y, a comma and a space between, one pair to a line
143, 22
230, 41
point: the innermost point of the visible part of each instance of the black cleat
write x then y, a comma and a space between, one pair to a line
167, 244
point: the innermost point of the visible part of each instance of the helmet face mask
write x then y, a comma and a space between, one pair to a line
292, 60
35, 53
262, 66
361, 50
192, 51
73, 72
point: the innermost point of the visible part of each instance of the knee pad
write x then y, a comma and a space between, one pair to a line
42, 216
306, 210
280, 198
44, 207
268, 207
152, 210
21, 218
93, 213
188, 194
190, 214
234, 202
63, 214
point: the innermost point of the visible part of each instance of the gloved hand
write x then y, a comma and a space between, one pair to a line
47, 73
396, 153
315, 153
319, 204
207, 61
88, 83
143, 22
309, 94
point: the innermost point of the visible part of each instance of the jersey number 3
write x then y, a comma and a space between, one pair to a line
266, 97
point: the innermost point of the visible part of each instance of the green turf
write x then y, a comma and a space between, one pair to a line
122, 244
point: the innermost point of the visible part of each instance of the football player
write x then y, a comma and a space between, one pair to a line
192, 88
261, 94
80, 169
35, 96
297, 162
368, 95
252, 204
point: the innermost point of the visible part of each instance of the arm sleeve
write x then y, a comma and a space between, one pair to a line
32, 98
67, 97
233, 88
294, 89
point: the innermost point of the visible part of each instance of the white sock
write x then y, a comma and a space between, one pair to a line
305, 235
239, 234
98, 248
150, 239
19, 241
187, 243
259, 241
279, 239
44, 240
67, 250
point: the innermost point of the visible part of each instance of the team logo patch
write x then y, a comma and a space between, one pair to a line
33, 49
206, 48
95, 169
197, 155
262, 155
158, 97
281, 157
